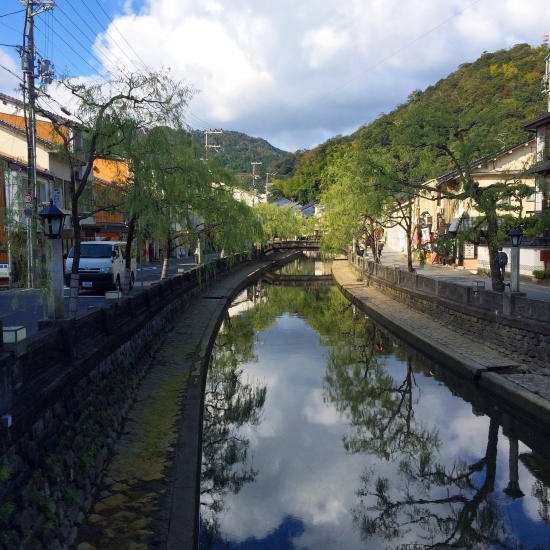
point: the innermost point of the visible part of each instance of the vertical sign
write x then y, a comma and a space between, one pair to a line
469, 251
57, 197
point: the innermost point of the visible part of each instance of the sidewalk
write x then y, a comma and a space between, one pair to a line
491, 369
391, 257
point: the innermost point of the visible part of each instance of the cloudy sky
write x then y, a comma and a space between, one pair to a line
295, 72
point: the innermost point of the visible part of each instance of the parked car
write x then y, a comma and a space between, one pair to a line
101, 265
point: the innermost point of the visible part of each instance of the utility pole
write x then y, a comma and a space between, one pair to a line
267, 183
254, 164
206, 146
28, 58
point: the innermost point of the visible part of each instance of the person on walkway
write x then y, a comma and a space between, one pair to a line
502, 262
380, 248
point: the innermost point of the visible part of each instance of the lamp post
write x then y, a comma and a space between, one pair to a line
516, 235
53, 219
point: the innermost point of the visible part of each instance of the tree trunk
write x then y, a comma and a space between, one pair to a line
492, 246
128, 258
166, 259
409, 236
75, 277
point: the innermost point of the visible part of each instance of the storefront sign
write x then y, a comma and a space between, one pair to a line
469, 251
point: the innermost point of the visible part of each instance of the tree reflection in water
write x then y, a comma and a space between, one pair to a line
231, 401
426, 504
414, 500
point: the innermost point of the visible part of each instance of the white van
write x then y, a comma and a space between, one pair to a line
101, 265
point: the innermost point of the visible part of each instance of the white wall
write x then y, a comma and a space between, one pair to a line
529, 259
396, 239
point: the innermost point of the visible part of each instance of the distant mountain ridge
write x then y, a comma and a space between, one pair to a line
238, 150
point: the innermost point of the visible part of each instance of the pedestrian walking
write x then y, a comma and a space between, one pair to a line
502, 262
380, 248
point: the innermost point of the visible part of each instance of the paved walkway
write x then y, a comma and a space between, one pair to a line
150, 490
435, 340
459, 276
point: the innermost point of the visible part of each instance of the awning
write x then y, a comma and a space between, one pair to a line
541, 169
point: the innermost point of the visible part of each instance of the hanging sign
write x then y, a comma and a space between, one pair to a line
27, 199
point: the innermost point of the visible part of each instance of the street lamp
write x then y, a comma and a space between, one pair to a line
516, 235
53, 219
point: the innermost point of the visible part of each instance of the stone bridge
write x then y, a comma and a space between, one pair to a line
296, 245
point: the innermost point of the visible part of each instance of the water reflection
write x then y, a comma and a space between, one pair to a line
360, 445
232, 400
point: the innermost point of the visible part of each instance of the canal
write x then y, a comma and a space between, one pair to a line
323, 431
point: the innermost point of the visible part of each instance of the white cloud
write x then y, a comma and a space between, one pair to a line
8, 81
322, 45
297, 73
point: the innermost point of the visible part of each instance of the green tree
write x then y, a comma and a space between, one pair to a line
106, 115
282, 223
455, 134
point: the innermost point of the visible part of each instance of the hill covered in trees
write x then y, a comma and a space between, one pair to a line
238, 150
490, 98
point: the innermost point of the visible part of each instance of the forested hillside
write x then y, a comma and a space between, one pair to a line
490, 98
237, 150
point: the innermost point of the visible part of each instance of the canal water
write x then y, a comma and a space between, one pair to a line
322, 431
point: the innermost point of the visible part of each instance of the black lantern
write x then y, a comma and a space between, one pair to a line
515, 237
53, 219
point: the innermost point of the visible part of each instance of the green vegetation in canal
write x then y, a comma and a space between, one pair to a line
136, 478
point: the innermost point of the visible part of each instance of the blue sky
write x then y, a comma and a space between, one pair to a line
294, 73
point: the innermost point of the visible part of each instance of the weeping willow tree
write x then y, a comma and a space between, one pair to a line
106, 117
172, 195
281, 223
345, 219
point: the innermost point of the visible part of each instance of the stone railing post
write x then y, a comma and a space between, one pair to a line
507, 303
467, 296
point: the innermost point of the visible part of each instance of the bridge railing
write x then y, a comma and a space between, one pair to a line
295, 245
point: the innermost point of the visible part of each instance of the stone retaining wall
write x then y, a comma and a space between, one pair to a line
512, 324
68, 393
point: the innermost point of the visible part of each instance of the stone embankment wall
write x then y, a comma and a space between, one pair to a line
512, 324
68, 391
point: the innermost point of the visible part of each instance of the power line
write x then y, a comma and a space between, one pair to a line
60, 51
12, 13
93, 32
394, 53
194, 118
11, 72
123, 37
11, 28
111, 37
72, 48
76, 40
